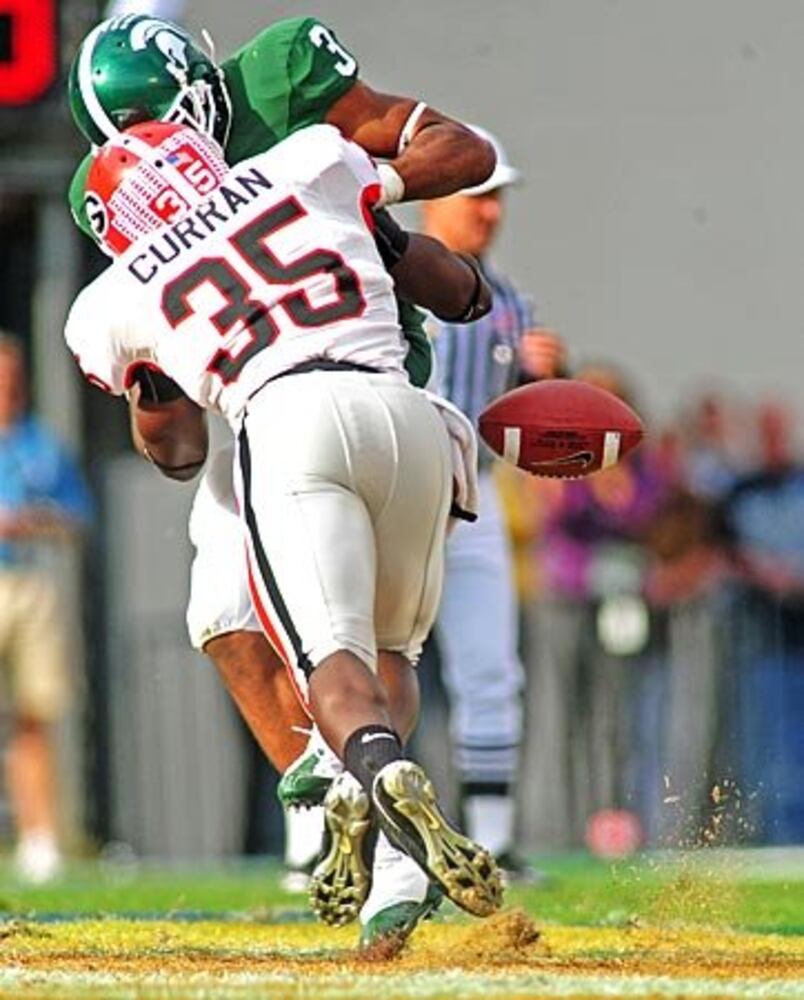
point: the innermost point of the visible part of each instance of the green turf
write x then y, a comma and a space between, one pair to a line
683, 888
700, 889
229, 932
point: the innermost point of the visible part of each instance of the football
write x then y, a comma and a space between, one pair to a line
560, 428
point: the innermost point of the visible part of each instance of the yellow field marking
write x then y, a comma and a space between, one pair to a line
504, 956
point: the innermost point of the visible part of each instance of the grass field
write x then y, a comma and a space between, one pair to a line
712, 924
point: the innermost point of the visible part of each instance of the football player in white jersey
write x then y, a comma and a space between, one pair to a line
259, 291
393, 892
295, 72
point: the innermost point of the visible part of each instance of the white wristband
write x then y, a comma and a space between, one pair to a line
393, 187
408, 129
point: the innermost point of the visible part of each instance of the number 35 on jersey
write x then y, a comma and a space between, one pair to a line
278, 266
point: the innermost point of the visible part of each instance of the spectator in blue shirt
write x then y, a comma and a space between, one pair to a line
43, 501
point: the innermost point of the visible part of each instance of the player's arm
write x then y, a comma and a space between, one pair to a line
433, 155
167, 427
451, 285
428, 154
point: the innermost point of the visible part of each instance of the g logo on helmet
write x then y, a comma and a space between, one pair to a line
97, 214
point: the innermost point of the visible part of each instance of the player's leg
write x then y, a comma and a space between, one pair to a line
306, 496
307, 778
255, 676
410, 559
401, 683
477, 633
398, 896
311, 555
222, 624
347, 696
402, 893
258, 683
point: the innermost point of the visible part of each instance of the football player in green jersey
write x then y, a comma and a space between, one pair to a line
293, 74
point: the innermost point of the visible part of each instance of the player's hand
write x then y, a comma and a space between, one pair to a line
542, 353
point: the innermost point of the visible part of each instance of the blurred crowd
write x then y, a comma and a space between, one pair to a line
662, 629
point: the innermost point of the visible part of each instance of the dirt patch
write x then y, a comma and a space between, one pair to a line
508, 944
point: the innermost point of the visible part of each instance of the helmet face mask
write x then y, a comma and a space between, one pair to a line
196, 105
138, 68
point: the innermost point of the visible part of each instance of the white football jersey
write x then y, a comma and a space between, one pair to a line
277, 268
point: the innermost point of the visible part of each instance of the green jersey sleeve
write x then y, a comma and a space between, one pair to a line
286, 78
419, 362
76, 196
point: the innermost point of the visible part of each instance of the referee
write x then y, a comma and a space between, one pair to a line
477, 624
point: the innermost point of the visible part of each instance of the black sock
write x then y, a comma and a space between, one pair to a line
368, 750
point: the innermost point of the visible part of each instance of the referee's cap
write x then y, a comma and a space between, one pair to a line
503, 174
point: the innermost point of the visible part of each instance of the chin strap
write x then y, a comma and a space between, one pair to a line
209, 41
210, 44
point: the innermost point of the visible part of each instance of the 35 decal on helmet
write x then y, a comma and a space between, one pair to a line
138, 68
151, 174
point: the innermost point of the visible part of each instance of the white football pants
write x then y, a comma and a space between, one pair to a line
344, 482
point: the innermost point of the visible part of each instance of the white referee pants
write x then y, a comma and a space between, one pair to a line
477, 635
344, 481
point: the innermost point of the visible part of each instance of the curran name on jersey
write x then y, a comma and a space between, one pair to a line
228, 199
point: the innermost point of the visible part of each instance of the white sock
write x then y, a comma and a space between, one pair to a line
490, 821
396, 878
304, 829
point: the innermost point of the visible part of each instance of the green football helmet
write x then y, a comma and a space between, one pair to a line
138, 68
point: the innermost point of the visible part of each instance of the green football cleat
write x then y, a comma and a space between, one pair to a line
341, 880
409, 815
306, 781
387, 931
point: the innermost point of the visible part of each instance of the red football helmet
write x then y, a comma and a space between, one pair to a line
152, 173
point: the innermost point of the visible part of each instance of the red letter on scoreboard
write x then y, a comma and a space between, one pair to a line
28, 56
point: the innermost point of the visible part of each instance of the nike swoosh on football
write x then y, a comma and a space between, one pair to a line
582, 458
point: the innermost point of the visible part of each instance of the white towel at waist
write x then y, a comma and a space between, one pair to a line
463, 446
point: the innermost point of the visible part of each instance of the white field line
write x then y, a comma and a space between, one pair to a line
410, 986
